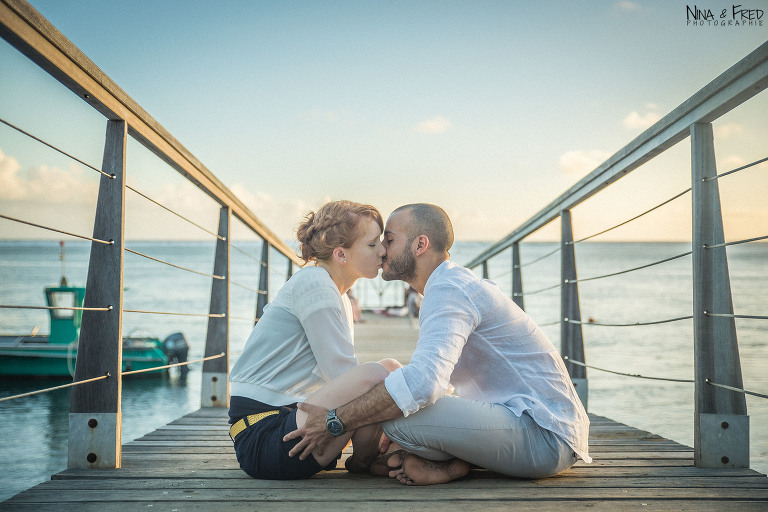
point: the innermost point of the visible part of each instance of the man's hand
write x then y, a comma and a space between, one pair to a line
314, 435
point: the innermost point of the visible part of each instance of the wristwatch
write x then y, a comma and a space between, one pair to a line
333, 424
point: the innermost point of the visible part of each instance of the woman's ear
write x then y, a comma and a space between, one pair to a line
339, 256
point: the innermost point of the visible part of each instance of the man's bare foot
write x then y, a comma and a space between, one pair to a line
410, 469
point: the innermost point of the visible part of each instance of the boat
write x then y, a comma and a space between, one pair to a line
54, 355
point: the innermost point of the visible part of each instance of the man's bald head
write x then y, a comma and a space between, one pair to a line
430, 220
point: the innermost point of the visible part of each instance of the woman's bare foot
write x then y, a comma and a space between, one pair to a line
410, 469
380, 466
358, 464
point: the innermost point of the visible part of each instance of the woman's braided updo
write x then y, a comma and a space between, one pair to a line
335, 224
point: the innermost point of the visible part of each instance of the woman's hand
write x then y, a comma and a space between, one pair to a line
313, 434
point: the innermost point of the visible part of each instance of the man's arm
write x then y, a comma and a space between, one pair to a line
374, 406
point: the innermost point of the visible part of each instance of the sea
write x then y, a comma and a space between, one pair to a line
33, 430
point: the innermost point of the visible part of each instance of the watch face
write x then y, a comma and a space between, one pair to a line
334, 426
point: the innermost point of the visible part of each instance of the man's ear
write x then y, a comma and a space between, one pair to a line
421, 243
339, 256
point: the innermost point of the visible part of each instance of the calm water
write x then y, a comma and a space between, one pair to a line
660, 292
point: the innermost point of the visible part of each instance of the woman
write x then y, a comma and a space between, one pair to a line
302, 349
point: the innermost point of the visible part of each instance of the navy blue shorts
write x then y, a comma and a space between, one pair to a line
263, 454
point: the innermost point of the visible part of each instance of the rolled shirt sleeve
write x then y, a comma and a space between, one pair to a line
446, 319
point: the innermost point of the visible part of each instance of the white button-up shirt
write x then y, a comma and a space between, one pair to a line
475, 339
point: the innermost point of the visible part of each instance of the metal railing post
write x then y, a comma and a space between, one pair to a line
571, 339
517, 277
485, 269
290, 270
214, 388
721, 424
263, 296
95, 417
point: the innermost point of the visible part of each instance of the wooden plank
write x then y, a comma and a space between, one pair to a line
236, 473
377, 484
390, 490
437, 506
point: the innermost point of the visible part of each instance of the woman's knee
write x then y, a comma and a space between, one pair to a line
372, 374
390, 364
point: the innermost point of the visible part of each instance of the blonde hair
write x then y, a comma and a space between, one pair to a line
335, 224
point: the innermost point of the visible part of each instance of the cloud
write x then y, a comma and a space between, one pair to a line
281, 216
636, 120
727, 130
730, 162
11, 185
627, 6
44, 183
435, 125
581, 162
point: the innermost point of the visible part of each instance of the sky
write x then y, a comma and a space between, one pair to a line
490, 109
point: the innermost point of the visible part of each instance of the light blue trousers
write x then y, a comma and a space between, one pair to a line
485, 434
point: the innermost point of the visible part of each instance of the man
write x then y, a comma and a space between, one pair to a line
514, 408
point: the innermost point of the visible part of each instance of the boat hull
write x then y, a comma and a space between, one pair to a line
35, 357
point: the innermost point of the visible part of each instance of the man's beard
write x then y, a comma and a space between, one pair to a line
403, 268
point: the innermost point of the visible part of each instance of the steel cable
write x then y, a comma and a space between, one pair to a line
633, 218
636, 375
737, 170
569, 281
107, 242
174, 266
110, 176
578, 322
175, 213
737, 242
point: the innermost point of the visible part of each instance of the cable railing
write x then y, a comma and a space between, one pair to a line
101, 308
666, 379
718, 389
60, 231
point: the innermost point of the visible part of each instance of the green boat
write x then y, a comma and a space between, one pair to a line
54, 355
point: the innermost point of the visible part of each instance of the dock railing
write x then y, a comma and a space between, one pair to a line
721, 424
95, 407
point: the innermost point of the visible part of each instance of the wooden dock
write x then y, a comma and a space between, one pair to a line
189, 464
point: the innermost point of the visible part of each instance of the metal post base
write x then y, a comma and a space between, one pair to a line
94, 440
723, 442
214, 390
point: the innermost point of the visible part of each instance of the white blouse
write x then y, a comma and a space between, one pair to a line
303, 340
475, 339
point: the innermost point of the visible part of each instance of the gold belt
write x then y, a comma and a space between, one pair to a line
244, 423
